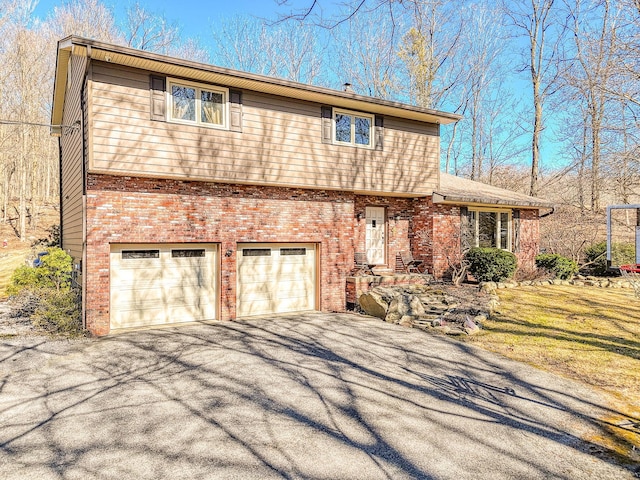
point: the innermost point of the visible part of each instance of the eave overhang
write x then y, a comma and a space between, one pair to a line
175, 67
461, 191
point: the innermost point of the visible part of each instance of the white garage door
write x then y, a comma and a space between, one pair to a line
276, 278
159, 284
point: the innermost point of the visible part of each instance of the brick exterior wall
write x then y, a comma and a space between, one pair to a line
398, 214
145, 210
435, 235
529, 243
141, 210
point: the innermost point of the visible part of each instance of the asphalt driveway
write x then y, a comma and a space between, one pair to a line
321, 396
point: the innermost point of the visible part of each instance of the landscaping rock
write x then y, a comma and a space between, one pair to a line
455, 331
480, 319
442, 329
374, 304
403, 305
435, 308
470, 328
488, 287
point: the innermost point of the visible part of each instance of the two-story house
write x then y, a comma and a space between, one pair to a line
192, 192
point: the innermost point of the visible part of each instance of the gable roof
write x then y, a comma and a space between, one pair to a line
457, 190
224, 76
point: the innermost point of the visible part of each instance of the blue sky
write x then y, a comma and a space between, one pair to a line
195, 17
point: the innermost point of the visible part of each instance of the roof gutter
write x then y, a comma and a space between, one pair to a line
479, 201
196, 71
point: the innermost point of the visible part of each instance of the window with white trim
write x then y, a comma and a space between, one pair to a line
491, 228
199, 104
353, 128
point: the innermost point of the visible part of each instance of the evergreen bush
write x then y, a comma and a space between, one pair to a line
491, 264
45, 295
561, 267
621, 254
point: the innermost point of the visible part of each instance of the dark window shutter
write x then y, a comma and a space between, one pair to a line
466, 233
516, 230
379, 133
326, 114
157, 86
235, 110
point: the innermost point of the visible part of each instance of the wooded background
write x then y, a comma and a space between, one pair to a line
549, 89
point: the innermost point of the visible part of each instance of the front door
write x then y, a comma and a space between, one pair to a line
375, 235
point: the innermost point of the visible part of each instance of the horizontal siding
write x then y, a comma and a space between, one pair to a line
72, 157
280, 144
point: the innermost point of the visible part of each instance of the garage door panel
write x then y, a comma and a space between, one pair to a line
282, 281
173, 283
253, 289
186, 293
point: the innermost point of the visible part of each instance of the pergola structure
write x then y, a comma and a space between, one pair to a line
610, 208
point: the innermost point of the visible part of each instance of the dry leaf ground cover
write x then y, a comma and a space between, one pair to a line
587, 334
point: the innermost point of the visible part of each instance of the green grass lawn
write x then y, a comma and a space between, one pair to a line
584, 333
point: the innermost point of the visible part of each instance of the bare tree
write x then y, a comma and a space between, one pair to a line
365, 53
87, 18
535, 20
482, 45
594, 34
145, 30
238, 43
285, 50
428, 49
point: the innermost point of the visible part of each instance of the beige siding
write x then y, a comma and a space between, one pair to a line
72, 157
280, 144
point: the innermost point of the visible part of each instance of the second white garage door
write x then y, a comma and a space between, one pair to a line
276, 278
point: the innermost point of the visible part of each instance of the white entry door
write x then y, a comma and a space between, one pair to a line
375, 235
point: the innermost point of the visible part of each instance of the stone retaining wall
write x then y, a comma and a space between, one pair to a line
358, 285
581, 281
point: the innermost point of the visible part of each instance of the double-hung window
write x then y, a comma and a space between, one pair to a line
352, 128
491, 228
198, 104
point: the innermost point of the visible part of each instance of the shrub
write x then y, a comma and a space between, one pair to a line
561, 267
58, 312
44, 293
54, 272
491, 264
621, 254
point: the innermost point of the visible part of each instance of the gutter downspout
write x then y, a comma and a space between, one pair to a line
551, 212
60, 232
84, 130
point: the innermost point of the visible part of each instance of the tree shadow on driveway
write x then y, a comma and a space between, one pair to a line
304, 396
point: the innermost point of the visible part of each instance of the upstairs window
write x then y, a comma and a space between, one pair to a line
351, 128
198, 104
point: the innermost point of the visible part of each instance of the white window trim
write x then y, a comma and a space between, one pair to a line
198, 86
353, 143
476, 226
